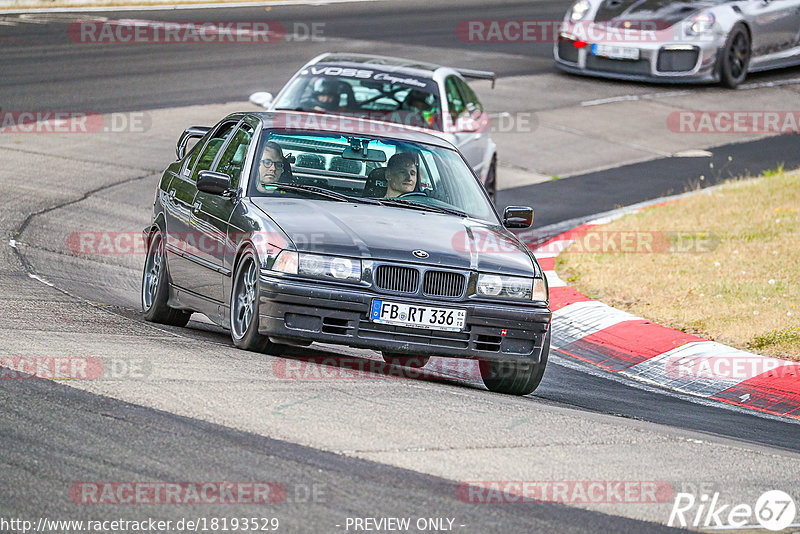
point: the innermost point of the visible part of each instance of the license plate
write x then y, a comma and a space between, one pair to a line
615, 52
416, 316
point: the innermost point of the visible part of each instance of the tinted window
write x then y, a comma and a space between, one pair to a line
211, 149
232, 160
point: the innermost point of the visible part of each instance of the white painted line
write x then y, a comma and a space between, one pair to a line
693, 154
629, 98
166, 7
776, 83
40, 279
576, 321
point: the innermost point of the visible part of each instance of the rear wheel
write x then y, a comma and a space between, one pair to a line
155, 286
405, 360
735, 57
514, 378
244, 308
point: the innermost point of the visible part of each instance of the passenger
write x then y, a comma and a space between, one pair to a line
401, 174
271, 165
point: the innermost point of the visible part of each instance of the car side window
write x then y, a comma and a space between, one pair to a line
455, 102
209, 153
232, 160
471, 102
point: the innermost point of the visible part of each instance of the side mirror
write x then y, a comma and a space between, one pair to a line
518, 217
215, 183
261, 99
193, 132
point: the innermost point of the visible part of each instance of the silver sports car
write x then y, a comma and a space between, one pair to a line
679, 40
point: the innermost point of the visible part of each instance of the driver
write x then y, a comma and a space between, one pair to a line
271, 165
326, 98
401, 174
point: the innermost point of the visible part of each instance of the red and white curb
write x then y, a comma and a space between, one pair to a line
622, 343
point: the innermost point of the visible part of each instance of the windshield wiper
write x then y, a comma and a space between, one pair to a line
321, 191
423, 207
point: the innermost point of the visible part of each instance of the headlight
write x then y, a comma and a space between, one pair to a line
318, 266
700, 23
513, 287
579, 10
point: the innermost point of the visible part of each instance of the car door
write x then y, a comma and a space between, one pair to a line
775, 24
212, 213
184, 238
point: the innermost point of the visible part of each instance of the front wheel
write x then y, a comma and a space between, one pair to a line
155, 287
735, 57
514, 378
244, 308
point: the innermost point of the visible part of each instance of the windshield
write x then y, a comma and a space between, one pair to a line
396, 174
378, 95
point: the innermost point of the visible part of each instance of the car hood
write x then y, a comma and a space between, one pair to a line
390, 233
663, 13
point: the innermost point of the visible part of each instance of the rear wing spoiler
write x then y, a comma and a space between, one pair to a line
478, 75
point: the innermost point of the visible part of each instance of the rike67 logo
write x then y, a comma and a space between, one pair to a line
774, 510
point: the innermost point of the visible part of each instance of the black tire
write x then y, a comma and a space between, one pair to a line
491, 181
735, 57
244, 308
515, 378
405, 360
155, 287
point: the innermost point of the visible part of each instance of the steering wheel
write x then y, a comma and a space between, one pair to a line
413, 194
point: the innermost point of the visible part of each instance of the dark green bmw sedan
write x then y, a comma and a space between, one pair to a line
289, 228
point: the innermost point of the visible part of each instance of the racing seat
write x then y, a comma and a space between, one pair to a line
375, 186
311, 161
350, 166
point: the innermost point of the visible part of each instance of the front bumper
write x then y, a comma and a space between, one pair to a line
305, 311
665, 62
